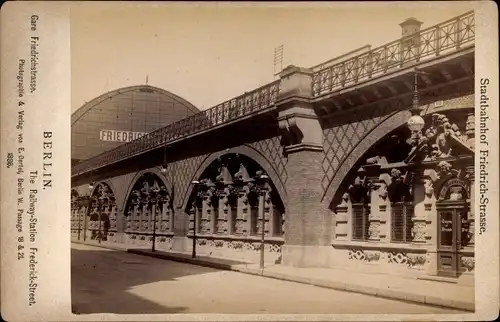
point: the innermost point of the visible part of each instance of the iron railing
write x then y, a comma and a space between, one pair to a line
428, 43
243, 105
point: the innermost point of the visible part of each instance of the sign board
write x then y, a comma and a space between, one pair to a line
455, 194
120, 136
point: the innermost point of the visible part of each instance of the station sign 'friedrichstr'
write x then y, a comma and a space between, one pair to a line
120, 136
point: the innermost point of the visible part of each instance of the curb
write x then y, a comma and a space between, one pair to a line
335, 285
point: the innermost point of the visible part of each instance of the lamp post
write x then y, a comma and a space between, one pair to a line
154, 199
99, 212
91, 187
196, 185
163, 169
79, 215
262, 186
416, 123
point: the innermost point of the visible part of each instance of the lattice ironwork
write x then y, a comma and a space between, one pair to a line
444, 38
271, 148
340, 139
182, 174
243, 105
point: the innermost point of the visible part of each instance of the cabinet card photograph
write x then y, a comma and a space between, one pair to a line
253, 161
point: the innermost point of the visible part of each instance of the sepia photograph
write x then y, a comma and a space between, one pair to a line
211, 173
249, 161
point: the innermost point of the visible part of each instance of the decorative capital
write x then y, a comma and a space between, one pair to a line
296, 84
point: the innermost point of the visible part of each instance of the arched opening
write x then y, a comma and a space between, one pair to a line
76, 214
102, 213
389, 205
148, 210
232, 202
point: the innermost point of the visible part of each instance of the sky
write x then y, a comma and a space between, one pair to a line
209, 53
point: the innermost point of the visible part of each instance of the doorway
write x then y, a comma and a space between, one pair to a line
453, 237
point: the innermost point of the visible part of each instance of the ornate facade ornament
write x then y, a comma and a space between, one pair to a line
345, 199
439, 140
415, 260
242, 174
291, 133
443, 169
397, 258
468, 263
224, 176
428, 188
382, 191
397, 176
456, 193
372, 256
374, 230
419, 231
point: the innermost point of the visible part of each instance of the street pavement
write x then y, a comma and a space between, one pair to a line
110, 281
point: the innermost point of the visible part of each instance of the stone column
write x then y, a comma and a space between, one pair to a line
121, 224
242, 224
425, 219
128, 219
384, 208
206, 216
136, 223
268, 214
308, 223
223, 213
163, 223
374, 217
343, 226
170, 214
192, 211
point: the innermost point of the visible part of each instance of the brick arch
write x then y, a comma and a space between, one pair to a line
386, 126
156, 171
247, 151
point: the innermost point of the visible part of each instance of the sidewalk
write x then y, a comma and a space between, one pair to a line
386, 286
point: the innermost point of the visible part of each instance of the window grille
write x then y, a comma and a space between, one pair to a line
360, 223
401, 223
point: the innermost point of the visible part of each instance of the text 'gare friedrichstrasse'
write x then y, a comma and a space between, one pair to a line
33, 174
